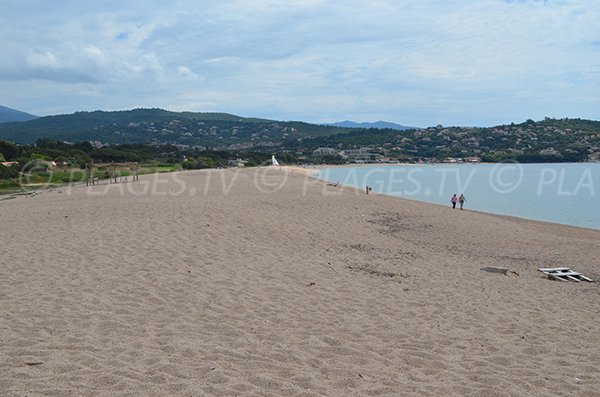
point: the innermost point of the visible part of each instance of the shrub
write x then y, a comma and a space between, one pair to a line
9, 172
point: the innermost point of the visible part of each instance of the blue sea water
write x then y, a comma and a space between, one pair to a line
559, 193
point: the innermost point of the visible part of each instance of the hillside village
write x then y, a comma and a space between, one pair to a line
528, 142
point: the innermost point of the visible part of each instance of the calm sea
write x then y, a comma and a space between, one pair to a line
559, 193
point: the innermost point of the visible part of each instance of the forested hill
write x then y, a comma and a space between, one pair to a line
548, 140
161, 126
531, 141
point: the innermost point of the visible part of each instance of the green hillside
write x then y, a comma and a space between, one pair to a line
157, 126
548, 140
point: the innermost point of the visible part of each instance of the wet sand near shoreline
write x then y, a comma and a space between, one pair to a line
266, 282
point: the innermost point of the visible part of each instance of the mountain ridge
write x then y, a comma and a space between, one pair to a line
8, 115
376, 124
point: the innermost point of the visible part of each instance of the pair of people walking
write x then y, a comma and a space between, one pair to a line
460, 200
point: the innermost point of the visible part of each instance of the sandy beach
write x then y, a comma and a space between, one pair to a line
266, 282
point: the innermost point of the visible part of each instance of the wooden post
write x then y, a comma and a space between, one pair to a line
89, 174
112, 171
135, 170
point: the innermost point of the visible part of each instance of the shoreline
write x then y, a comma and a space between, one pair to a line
421, 200
308, 172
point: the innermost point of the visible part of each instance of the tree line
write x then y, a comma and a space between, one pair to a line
77, 155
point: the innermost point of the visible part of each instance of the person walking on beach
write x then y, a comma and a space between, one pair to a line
461, 200
453, 200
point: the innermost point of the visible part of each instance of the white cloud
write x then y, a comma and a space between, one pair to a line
187, 73
42, 60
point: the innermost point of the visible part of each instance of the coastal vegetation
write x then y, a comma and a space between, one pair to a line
49, 162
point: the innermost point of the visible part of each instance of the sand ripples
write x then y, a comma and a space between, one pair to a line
272, 292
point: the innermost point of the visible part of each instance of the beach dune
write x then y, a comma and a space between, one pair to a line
266, 282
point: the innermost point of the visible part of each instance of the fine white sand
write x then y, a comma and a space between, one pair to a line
266, 282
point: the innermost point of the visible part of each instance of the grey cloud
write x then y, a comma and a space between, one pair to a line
404, 61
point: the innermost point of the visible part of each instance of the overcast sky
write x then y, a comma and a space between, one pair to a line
417, 63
